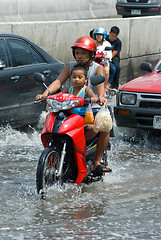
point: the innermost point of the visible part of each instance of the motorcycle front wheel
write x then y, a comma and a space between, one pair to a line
47, 168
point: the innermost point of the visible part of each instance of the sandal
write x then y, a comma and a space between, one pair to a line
107, 169
99, 170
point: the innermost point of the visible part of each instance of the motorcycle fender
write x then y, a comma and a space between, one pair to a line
47, 129
74, 127
82, 167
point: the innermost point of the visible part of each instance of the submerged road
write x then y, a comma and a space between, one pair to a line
126, 205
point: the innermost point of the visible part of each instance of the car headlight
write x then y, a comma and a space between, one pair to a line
128, 98
58, 106
121, 0
154, 1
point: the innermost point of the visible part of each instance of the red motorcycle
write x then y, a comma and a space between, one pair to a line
66, 157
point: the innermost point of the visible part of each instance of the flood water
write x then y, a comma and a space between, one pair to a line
126, 205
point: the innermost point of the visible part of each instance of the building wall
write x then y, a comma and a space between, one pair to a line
53, 10
141, 38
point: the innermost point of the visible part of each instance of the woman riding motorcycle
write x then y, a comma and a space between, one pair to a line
84, 50
100, 35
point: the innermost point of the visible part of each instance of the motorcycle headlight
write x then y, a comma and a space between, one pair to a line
65, 105
128, 98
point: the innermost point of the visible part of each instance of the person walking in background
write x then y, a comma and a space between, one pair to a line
116, 49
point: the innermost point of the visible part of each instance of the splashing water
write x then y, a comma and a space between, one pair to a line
123, 206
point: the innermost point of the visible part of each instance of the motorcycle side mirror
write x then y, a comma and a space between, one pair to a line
2, 64
108, 48
39, 77
97, 79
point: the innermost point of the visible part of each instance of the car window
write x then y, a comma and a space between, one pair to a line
22, 53
37, 57
3, 54
158, 67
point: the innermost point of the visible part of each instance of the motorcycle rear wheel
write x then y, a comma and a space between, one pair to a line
47, 168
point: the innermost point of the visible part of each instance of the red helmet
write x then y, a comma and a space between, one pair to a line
85, 43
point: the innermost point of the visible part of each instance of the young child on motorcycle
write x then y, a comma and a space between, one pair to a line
79, 89
100, 35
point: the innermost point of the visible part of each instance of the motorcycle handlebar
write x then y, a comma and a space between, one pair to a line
40, 101
87, 101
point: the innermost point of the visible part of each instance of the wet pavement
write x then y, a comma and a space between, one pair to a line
126, 205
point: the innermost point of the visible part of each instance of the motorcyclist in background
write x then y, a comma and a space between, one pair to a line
116, 49
84, 50
100, 35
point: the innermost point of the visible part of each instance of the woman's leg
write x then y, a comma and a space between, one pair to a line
103, 140
89, 132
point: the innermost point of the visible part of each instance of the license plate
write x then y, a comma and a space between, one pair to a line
157, 122
136, 12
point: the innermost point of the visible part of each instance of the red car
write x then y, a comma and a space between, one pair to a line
139, 101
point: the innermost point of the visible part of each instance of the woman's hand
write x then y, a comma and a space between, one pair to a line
40, 97
102, 101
